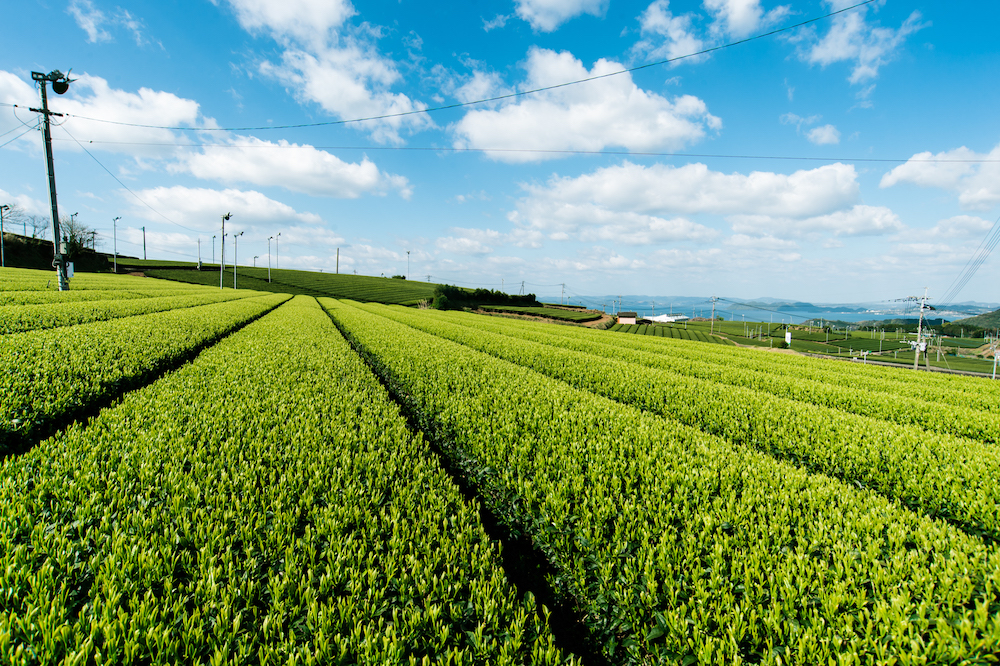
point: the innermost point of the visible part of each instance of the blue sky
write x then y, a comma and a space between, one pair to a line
658, 181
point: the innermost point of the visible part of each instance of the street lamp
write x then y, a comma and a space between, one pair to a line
408, 265
114, 223
4, 207
269, 239
277, 256
222, 254
236, 248
255, 258
213, 247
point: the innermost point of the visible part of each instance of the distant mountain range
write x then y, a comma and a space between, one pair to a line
766, 306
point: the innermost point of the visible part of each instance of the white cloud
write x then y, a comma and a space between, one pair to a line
798, 121
93, 21
588, 222
92, 97
975, 177
765, 243
611, 111
481, 85
960, 227
350, 82
498, 21
310, 21
29, 205
673, 33
741, 18
13, 90
823, 135
461, 245
201, 208
859, 220
547, 15
89, 18
330, 63
691, 189
851, 38
300, 168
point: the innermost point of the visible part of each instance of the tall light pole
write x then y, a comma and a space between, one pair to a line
277, 255
114, 224
269, 259
60, 84
236, 249
4, 207
222, 254
255, 258
408, 266
213, 247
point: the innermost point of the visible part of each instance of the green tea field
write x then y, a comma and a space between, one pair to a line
203, 476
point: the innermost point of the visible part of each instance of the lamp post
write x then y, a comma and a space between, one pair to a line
3, 263
255, 258
114, 224
213, 247
277, 255
236, 249
222, 248
269, 239
408, 267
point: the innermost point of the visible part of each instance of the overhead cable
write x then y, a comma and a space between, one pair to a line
127, 189
977, 259
496, 98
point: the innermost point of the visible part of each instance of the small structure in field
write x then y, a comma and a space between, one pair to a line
627, 317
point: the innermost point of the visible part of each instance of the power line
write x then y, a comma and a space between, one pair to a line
30, 129
496, 98
893, 160
126, 186
981, 254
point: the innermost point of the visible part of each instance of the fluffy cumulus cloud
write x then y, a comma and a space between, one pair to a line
300, 168
663, 189
974, 177
612, 111
92, 97
666, 35
547, 15
638, 205
852, 38
741, 18
857, 220
15, 90
960, 227
589, 222
327, 61
200, 208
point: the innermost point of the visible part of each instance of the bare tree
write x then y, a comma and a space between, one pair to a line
39, 225
14, 215
76, 234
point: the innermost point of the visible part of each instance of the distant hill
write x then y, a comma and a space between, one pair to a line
354, 287
988, 320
